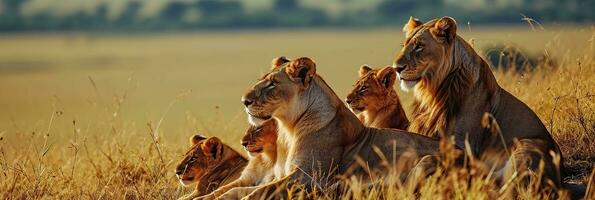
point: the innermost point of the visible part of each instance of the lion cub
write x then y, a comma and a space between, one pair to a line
374, 100
261, 145
211, 164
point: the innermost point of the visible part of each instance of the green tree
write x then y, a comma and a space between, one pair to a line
10, 18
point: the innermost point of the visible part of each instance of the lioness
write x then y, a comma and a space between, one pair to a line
454, 87
320, 135
375, 101
210, 164
261, 144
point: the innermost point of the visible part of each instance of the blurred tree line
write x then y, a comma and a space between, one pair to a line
26, 15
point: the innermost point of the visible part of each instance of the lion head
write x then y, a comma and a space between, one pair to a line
261, 139
276, 92
203, 155
373, 89
426, 56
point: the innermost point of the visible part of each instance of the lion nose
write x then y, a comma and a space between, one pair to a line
348, 101
247, 102
244, 143
400, 68
179, 171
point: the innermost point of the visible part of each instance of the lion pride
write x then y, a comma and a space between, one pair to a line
319, 136
374, 100
454, 87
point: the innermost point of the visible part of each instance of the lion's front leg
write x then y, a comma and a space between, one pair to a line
301, 178
237, 193
273, 188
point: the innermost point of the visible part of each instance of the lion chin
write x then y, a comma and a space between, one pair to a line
408, 85
186, 183
255, 121
355, 110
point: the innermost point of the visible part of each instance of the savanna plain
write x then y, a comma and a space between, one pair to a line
108, 115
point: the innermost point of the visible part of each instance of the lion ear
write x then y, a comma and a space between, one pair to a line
387, 76
411, 25
213, 147
445, 30
196, 138
364, 69
301, 69
278, 61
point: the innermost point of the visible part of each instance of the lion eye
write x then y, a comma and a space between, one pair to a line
271, 85
192, 160
363, 89
419, 48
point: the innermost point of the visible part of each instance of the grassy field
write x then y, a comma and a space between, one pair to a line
107, 116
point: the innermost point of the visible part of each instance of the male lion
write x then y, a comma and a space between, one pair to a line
375, 101
261, 144
211, 164
454, 87
320, 136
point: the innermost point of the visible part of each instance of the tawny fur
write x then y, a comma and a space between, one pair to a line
320, 136
260, 165
374, 100
211, 164
455, 87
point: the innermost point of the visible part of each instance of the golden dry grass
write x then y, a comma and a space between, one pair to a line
87, 116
